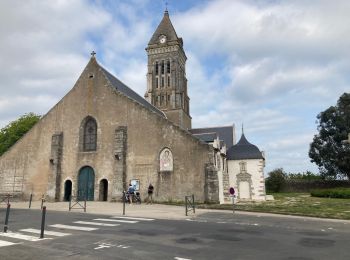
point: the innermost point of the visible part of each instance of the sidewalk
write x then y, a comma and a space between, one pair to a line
157, 211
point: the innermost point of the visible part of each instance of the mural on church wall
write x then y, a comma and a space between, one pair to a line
166, 160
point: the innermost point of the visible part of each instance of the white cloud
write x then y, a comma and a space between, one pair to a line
44, 49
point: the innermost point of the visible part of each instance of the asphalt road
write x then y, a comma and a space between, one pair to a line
209, 236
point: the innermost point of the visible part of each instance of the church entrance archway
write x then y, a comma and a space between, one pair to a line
103, 190
67, 190
244, 190
86, 183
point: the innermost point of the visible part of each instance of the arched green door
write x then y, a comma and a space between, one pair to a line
86, 183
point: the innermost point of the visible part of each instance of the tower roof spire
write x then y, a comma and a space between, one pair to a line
165, 28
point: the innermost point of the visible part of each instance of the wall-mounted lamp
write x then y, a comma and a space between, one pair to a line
116, 156
51, 161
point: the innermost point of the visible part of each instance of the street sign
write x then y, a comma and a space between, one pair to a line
232, 191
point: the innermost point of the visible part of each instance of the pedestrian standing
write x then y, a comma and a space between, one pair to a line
131, 192
150, 194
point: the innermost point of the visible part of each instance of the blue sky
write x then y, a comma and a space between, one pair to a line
272, 65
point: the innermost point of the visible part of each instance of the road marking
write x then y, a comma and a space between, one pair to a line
115, 220
73, 227
50, 233
133, 218
21, 236
179, 258
122, 221
103, 245
6, 243
196, 220
96, 223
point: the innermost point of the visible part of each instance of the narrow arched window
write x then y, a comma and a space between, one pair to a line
156, 68
90, 135
168, 67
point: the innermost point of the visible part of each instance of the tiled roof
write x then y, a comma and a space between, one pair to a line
121, 87
164, 28
206, 137
225, 133
244, 150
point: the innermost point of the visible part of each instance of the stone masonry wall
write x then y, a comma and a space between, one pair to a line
129, 140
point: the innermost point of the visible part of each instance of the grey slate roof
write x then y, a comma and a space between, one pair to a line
243, 150
164, 28
121, 87
225, 133
206, 137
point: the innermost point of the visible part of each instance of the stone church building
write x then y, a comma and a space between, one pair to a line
102, 135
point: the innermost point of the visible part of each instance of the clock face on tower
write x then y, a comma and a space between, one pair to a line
162, 39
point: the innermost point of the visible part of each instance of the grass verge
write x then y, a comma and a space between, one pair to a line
301, 204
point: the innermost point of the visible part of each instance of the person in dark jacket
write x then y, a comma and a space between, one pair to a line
150, 193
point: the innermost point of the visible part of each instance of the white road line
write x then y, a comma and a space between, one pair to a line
96, 223
179, 258
21, 236
116, 220
73, 227
133, 218
50, 233
6, 243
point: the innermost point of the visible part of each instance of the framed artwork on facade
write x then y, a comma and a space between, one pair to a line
166, 160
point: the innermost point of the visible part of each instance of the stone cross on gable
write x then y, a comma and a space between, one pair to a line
93, 53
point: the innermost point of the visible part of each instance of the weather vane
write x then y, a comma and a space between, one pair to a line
166, 6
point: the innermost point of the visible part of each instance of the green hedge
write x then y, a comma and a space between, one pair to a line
342, 193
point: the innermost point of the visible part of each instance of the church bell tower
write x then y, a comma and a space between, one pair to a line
166, 76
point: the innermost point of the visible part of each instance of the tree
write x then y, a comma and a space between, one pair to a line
329, 149
11, 133
276, 180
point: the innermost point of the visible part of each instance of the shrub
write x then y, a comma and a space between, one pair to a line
341, 193
276, 180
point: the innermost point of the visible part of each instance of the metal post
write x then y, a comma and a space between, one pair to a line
8, 199
30, 200
70, 202
42, 201
194, 211
85, 205
43, 222
186, 204
233, 204
7, 217
124, 199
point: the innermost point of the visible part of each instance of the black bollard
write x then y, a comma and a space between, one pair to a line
42, 202
124, 199
43, 222
194, 206
233, 204
70, 203
7, 217
186, 205
30, 200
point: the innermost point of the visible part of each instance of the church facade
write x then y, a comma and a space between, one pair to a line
102, 136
